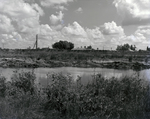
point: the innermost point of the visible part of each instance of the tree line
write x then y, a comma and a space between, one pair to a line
65, 45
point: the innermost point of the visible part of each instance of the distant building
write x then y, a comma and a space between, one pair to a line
79, 48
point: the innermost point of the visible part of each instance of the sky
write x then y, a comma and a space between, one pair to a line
99, 23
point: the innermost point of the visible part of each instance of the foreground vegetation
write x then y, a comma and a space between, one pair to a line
63, 98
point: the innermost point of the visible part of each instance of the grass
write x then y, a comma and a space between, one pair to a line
124, 98
50, 54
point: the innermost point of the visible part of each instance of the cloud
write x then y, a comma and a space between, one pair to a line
18, 9
19, 22
111, 28
23, 16
12, 40
138, 39
29, 1
60, 7
56, 18
79, 10
75, 30
95, 34
38, 9
145, 31
5, 24
133, 11
54, 2
81, 36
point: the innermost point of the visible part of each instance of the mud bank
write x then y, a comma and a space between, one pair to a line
34, 63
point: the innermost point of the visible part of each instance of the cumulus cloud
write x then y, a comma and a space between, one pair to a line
95, 34
60, 7
18, 9
5, 24
54, 2
138, 39
19, 21
133, 11
111, 28
56, 18
145, 31
23, 16
81, 36
29, 1
38, 9
79, 10
75, 30
12, 40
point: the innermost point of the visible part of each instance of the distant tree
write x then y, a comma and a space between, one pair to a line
63, 45
131, 47
148, 49
89, 47
125, 47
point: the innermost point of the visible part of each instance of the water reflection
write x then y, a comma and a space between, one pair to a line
85, 73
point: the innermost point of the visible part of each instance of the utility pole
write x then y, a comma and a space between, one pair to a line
36, 41
3, 45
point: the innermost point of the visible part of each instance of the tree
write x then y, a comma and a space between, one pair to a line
125, 47
89, 47
63, 45
148, 49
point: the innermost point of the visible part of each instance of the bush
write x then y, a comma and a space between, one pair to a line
130, 59
102, 97
2, 86
127, 97
24, 81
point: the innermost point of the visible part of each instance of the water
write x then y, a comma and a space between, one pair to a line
85, 73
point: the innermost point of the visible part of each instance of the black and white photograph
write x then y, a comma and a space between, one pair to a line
74, 59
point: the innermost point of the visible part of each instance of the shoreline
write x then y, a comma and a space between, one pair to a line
34, 63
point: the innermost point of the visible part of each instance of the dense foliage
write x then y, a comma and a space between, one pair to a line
23, 98
126, 47
63, 45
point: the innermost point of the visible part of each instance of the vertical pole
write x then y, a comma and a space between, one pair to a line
3, 45
36, 41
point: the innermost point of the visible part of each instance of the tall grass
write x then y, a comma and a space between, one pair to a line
124, 98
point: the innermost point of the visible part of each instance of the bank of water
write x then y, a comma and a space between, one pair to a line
84, 73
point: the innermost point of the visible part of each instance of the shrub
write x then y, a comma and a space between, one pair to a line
126, 97
24, 81
102, 97
2, 86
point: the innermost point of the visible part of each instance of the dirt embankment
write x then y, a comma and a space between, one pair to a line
34, 63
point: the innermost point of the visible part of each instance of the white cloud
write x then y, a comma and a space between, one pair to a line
75, 30
56, 18
5, 24
54, 2
138, 39
18, 9
133, 11
79, 10
60, 7
24, 17
19, 21
38, 9
83, 37
95, 34
143, 31
29, 1
111, 28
